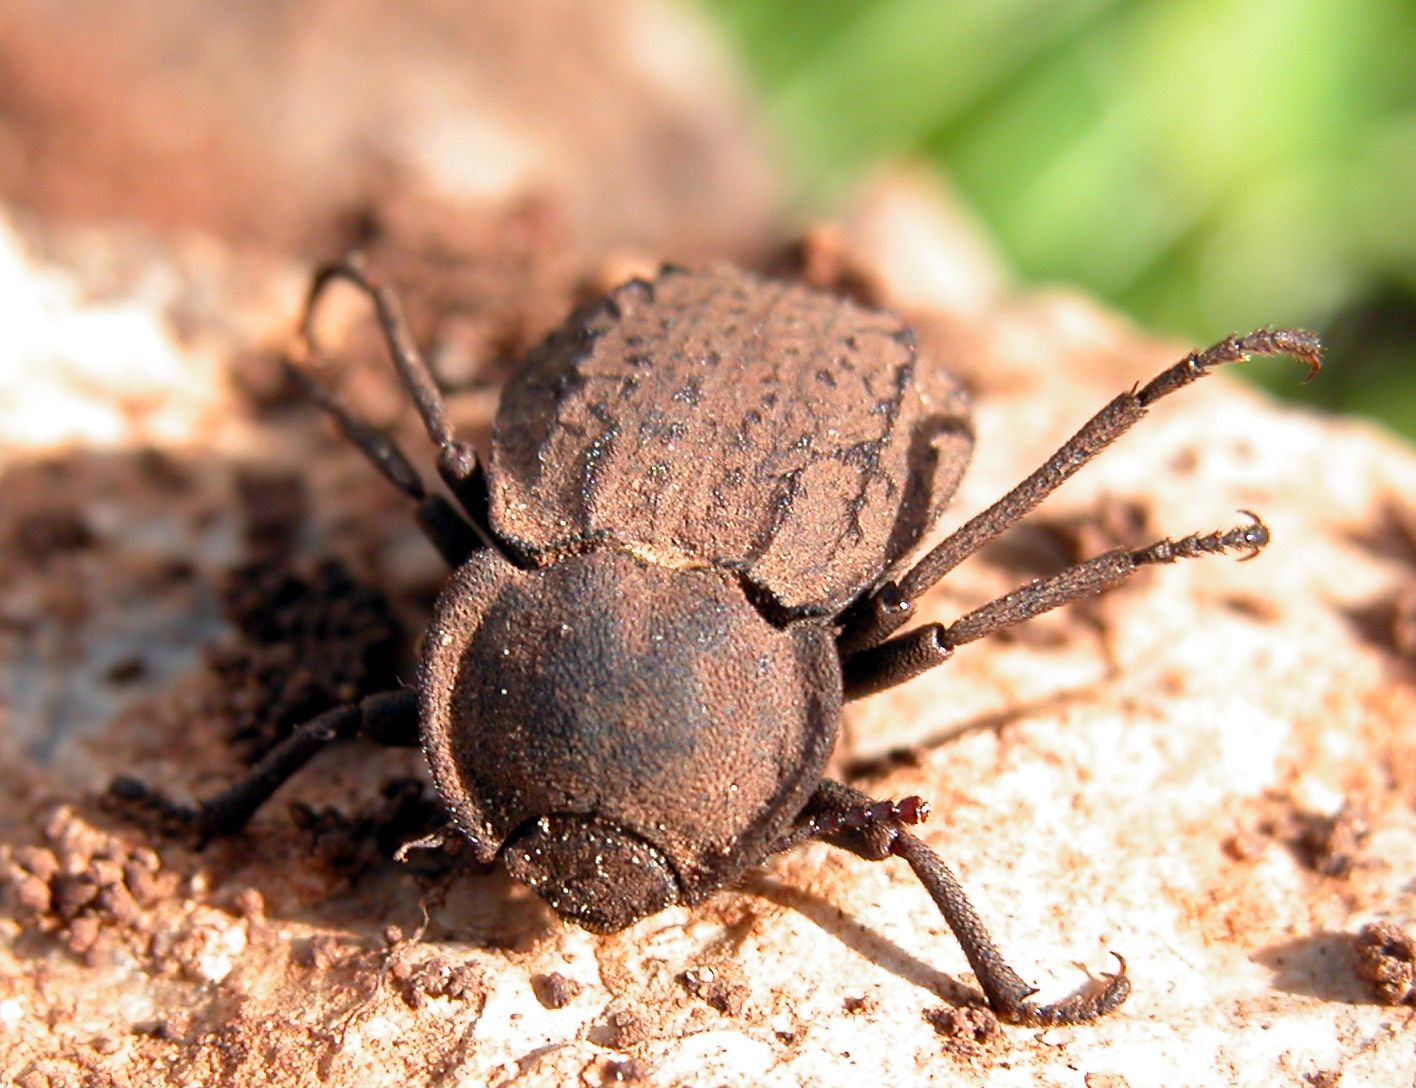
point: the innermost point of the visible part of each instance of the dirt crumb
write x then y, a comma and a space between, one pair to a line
1331, 844
625, 1026
322, 952
90, 889
554, 990
308, 640
967, 1024
438, 977
43, 534
1386, 960
720, 993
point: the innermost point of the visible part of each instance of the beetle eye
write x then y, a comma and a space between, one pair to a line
591, 873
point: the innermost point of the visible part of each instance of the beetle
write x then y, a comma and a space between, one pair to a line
686, 551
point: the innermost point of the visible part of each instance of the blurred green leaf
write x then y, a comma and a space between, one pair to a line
1207, 166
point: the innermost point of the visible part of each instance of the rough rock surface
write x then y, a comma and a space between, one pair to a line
1211, 771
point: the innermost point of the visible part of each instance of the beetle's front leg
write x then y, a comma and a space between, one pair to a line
876, 830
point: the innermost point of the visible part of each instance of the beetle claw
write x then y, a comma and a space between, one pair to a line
1089, 1003
142, 803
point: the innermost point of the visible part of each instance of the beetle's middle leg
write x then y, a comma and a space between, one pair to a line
875, 830
389, 718
906, 656
875, 617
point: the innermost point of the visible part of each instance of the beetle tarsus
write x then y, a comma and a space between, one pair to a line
1005, 989
1090, 1003
1251, 539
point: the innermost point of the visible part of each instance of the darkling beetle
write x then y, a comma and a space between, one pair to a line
677, 565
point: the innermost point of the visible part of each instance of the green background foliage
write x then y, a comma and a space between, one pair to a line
1207, 166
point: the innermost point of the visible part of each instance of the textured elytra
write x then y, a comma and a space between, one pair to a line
714, 418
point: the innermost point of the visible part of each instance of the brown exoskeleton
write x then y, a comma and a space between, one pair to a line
681, 559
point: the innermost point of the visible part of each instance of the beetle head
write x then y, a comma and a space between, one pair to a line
592, 873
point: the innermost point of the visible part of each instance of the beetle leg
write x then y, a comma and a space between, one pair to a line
457, 461
389, 718
895, 661
864, 827
875, 830
442, 524
883, 612
906, 656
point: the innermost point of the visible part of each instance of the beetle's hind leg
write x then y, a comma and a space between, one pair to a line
875, 617
449, 532
389, 718
875, 830
457, 461
906, 656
